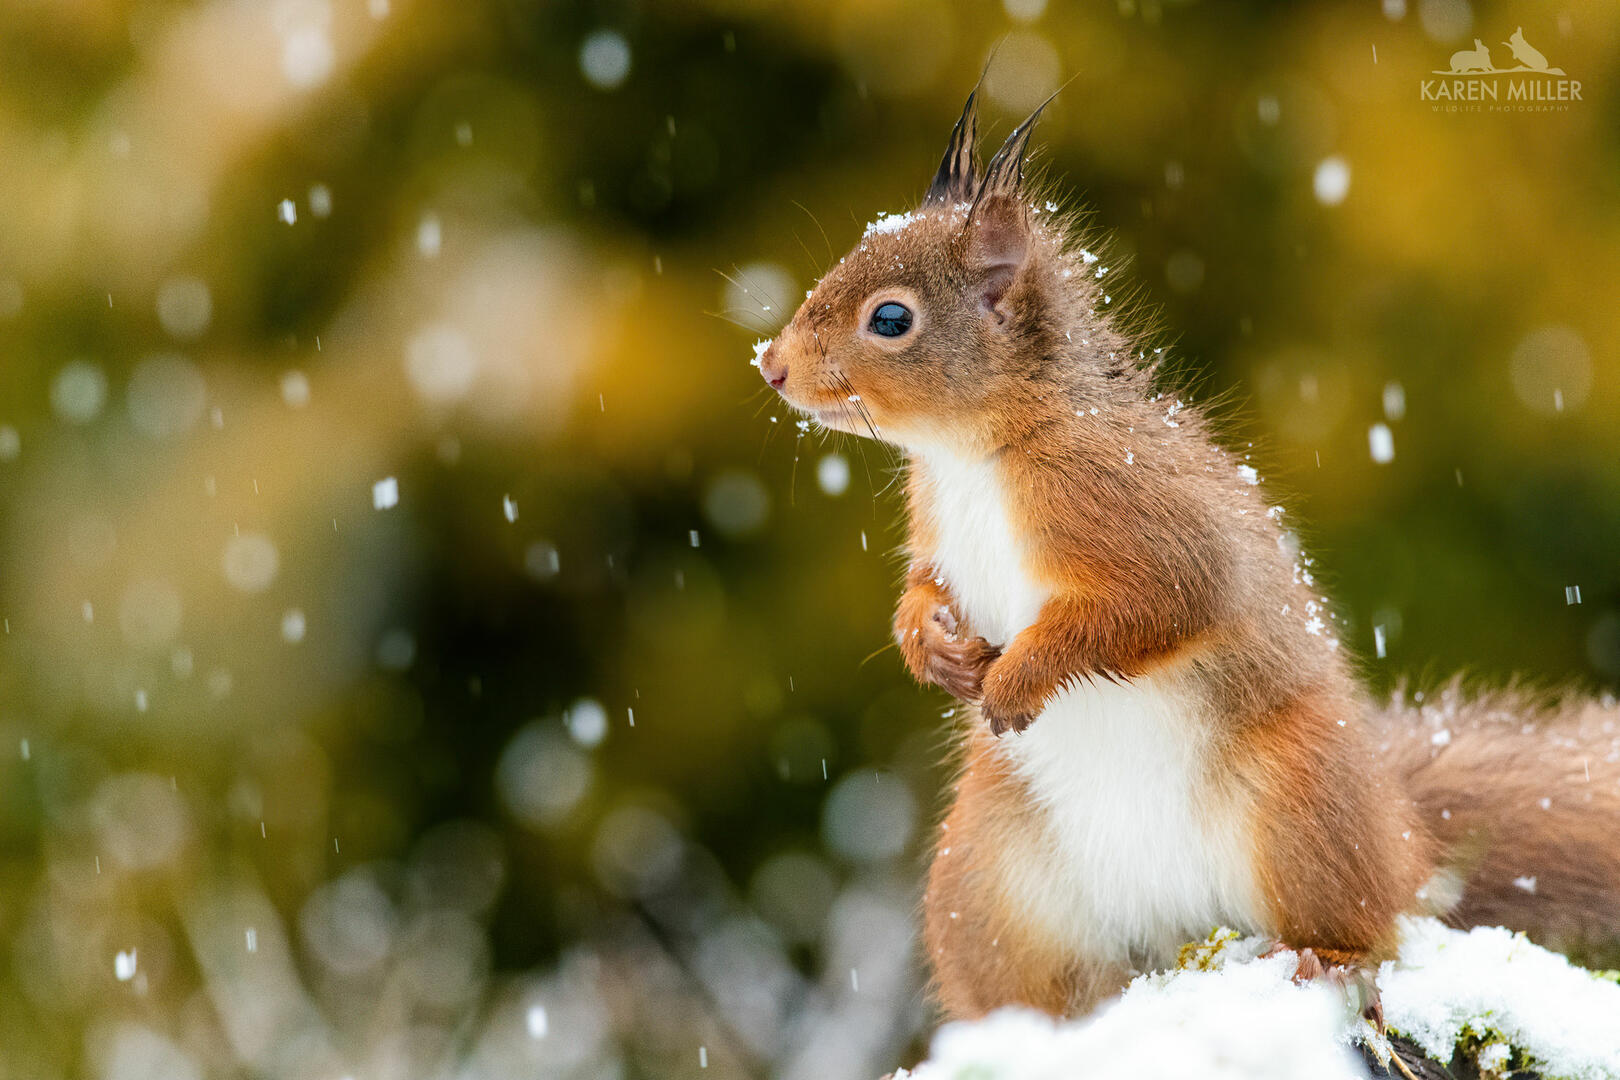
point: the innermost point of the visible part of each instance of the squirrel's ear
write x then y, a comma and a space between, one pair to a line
998, 247
998, 223
955, 180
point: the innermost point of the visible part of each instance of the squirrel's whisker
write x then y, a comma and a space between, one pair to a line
831, 255
738, 324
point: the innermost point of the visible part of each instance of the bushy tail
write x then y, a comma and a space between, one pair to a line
1524, 795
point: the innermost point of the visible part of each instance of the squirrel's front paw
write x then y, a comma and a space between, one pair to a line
937, 654
959, 666
1008, 703
1003, 721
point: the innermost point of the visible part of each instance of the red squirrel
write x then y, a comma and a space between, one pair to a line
1165, 733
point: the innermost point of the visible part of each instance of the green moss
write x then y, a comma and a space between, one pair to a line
1476, 1046
1201, 955
976, 1072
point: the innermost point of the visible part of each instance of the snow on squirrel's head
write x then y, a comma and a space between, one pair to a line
934, 328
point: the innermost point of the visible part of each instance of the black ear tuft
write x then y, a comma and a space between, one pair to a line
956, 180
1004, 176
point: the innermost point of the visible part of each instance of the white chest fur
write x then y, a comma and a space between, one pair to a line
1133, 854
978, 552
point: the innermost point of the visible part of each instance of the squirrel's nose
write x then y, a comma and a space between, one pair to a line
773, 368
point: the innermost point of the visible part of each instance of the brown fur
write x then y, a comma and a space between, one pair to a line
1159, 554
1519, 786
983, 954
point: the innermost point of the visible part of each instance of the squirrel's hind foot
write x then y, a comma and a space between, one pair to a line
1348, 970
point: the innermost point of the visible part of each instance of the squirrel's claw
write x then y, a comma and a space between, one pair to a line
1355, 979
1001, 723
1006, 712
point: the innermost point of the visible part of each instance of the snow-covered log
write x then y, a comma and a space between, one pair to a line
1485, 997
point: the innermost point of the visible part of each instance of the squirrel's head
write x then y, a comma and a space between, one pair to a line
924, 332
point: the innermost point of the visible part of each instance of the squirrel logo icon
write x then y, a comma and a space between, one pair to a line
1526, 54
1477, 61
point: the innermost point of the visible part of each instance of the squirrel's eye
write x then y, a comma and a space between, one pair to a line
891, 319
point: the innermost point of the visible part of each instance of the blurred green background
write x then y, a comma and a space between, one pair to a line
428, 652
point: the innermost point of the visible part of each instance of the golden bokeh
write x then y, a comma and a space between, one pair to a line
429, 651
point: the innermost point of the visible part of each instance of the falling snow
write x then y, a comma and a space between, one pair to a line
385, 493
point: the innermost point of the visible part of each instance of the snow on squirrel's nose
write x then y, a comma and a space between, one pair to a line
770, 363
